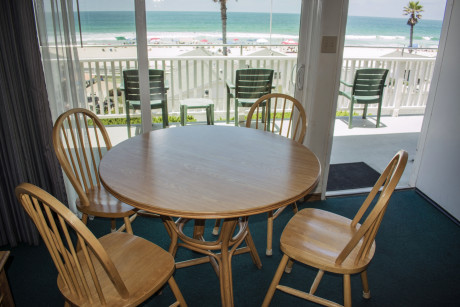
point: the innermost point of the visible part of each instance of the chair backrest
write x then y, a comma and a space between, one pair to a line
253, 83
369, 82
368, 229
80, 140
292, 122
61, 230
156, 83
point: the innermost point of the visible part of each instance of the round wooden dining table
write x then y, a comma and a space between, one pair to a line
210, 172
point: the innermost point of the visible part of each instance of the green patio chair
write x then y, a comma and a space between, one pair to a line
158, 97
367, 88
250, 85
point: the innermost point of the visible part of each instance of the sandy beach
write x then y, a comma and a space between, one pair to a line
111, 52
123, 52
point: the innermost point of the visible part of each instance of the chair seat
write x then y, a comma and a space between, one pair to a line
361, 99
154, 104
246, 102
104, 204
316, 237
143, 266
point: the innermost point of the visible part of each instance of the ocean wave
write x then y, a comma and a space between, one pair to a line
391, 37
174, 36
363, 37
430, 38
375, 37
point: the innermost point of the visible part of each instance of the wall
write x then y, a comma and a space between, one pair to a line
322, 80
438, 161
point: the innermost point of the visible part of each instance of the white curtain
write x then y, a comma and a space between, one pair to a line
58, 45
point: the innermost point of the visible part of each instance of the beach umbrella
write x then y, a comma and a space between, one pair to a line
262, 41
155, 39
204, 40
289, 42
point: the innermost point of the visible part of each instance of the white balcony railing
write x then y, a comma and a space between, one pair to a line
406, 91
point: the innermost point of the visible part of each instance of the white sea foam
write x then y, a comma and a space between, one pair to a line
361, 37
183, 36
390, 37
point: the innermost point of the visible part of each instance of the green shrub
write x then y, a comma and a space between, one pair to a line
345, 113
137, 120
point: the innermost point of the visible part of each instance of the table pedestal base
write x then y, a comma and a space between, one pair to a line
227, 243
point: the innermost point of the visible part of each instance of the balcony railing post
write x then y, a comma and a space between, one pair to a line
399, 76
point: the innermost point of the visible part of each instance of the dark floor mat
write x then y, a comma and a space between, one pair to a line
347, 176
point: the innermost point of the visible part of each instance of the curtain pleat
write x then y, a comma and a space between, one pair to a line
26, 148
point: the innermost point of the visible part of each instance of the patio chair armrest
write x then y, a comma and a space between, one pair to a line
166, 85
346, 84
230, 86
348, 95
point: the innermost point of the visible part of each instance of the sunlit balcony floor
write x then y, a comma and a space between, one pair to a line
362, 143
376, 146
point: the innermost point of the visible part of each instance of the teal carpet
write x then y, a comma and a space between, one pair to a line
417, 262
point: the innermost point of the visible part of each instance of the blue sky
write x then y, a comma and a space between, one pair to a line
434, 9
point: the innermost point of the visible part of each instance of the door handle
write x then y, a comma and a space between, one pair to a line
300, 77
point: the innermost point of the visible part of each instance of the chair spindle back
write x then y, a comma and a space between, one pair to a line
368, 230
293, 121
61, 230
80, 140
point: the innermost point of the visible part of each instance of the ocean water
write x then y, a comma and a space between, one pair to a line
247, 28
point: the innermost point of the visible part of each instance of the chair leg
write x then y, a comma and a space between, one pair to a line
288, 268
236, 112
346, 290
212, 114
316, 282
128, 119
227, 118
295, 208
164, 114
252, 250
379, 111
263, 118
129, 229
269, 250
177, 294
215, 230
350, 117
131, 219
198, 229
113, 225
84, 218
364, 281
365, 111
275, 281
182, 122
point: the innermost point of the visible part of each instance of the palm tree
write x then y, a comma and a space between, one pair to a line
413, 10
223, 16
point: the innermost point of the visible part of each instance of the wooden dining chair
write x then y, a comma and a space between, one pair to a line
333, 243
292, 123
119, 269
80, 140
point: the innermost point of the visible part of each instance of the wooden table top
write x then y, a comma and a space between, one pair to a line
209, 171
